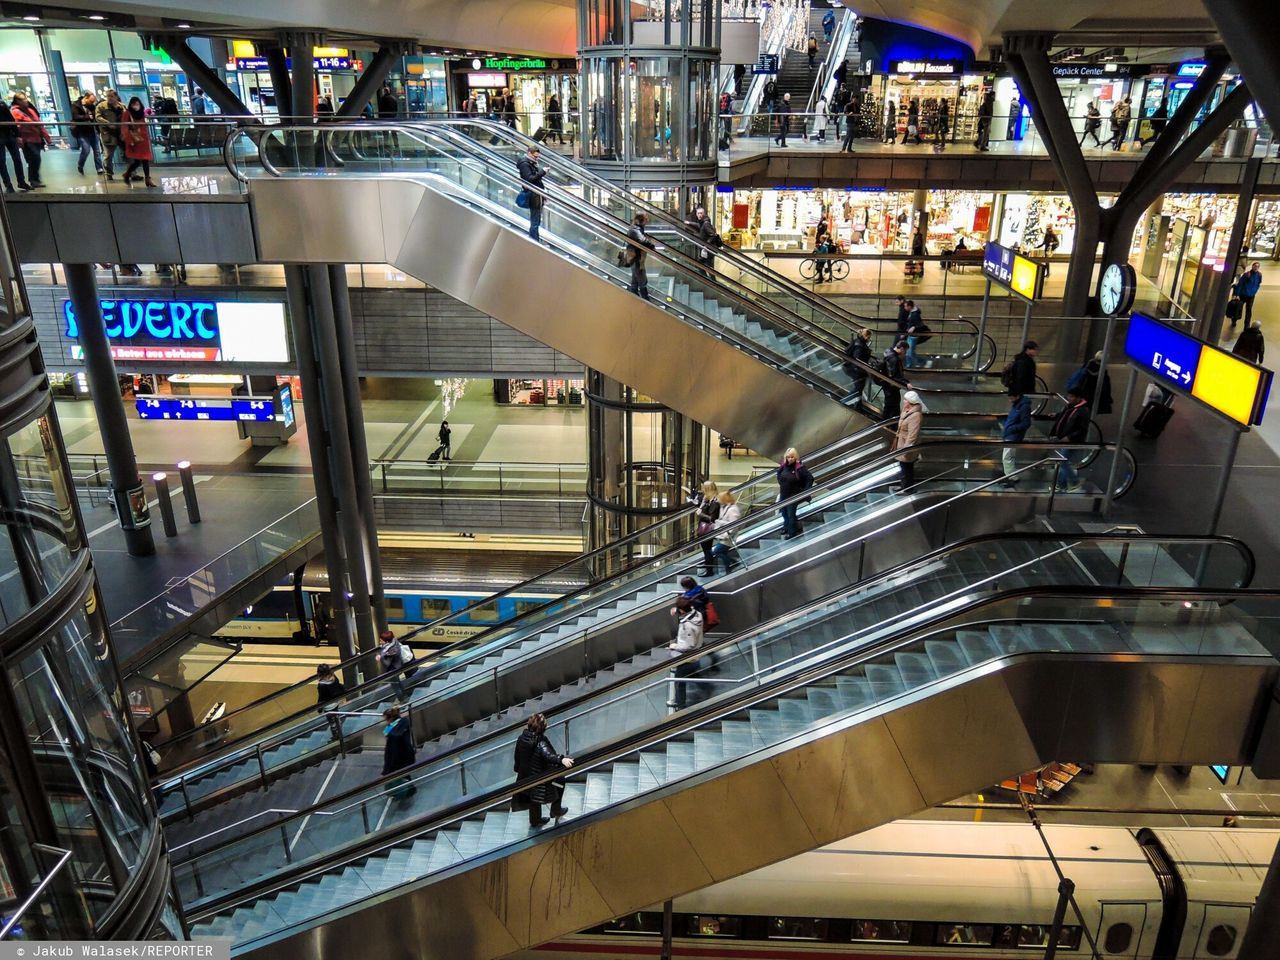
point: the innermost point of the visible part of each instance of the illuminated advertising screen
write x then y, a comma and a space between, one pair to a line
1020, 275
1220, 380
185, 331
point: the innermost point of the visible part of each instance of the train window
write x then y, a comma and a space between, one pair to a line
1118, 938
706, 925
1220, 940
483, 613
1035, 936
433, 608
965, 934
886, 931
524, 606
649, 924
395, 608
797, 928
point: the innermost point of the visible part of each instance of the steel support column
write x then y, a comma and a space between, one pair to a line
282, 86
359, 443
1249, 29
313, 411
108, 405
201, 74
339, 441
371, 79
303, 106
1028, 61
1211, 325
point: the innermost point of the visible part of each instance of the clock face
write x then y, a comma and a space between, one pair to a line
1114, 288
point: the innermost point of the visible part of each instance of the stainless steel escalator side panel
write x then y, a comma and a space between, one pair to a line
527, 286
893, 760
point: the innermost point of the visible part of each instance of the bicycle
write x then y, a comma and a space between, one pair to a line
836, 269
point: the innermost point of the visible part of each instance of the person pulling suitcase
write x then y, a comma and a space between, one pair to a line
1157, 409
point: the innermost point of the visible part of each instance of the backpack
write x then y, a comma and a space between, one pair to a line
1006, 376
1076, 380
710, 619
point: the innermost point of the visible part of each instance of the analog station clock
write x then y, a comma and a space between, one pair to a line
1116, 289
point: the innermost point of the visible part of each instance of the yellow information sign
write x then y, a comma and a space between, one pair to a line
1228, 384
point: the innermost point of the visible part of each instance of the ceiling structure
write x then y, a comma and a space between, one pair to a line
1174, 24
1160, 29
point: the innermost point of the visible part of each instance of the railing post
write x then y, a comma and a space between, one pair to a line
364, 815
262, 767
284, 838
462, 772
1124, 559
186, 798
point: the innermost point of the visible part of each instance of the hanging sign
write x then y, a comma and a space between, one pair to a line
1020, 275
190, 330
1221, 381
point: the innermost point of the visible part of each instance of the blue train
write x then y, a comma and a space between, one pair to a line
422, 586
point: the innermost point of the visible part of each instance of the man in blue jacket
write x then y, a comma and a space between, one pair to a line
828, 24
1016, 424
1247, 286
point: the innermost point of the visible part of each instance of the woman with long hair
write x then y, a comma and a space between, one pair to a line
137, 141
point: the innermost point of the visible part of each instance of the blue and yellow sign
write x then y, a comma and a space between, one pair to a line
1223, 382
1020, 275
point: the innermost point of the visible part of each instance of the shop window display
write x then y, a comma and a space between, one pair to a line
862, 221
1265, 230
1027, 215
956, 215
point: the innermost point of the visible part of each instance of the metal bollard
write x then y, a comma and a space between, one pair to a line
189, 491
161, 481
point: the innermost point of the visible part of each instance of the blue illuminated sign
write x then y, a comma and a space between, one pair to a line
1163, 351
1220, 771
260, 409
1220, 380
1192, 68
1017, 274
153, 321
260, 64
286, 405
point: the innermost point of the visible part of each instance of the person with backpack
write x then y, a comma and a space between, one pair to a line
917, 333
828, 24
770, 96
729, 513
1086, 381
398, 753
894, 372
1014, 430
1072, 426
394, 657
1019, 374
1246, 288
794, 478
533, 175
1092, 124
536, 757
811, 48
689, 635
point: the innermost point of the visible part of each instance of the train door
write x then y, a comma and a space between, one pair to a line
1120, 930
1222, 929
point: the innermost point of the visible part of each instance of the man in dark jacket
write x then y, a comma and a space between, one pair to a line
533, 175
783, 110
1022, 378
1072, 426
705, 232
84, 129
635, 254
1250, 346
904, 312
534, 758
1086, 378
895, 373
859, 352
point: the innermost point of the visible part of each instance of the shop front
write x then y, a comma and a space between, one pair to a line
1025, 218
536, 392
930, 84
1104, 84
531, 81
1264, 233
864, 221
336, 71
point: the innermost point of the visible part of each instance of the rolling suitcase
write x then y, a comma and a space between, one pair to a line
435, 455
1152, 420
540, 134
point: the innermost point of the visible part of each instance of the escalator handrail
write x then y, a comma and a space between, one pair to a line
657, 214
866, 435
442, 666
698, 716
1069, 542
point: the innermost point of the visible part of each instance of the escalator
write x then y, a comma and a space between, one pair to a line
857, 709
453, 221
613, 628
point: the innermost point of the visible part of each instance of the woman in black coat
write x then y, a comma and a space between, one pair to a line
399, 752
793, 478
859, 350
534, 758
